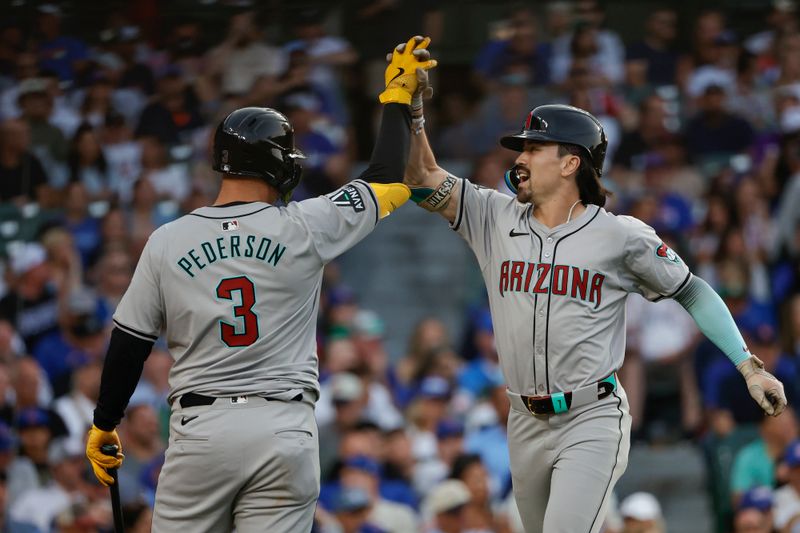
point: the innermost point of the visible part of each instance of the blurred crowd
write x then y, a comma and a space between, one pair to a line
104, 136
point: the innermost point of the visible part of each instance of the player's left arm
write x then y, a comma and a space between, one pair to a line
716, 322
660, 273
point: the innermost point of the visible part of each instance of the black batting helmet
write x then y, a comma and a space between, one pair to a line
258, 142
560, 123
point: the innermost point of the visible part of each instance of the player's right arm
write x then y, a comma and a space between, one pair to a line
432, 187
426, 178
137, 324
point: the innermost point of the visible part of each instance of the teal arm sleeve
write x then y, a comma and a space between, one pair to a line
713, 318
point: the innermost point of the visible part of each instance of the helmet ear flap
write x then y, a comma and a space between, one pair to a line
512, 178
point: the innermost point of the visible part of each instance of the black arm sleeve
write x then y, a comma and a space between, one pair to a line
390, 155
121, 372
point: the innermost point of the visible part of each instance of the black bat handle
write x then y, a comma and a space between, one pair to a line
116, 506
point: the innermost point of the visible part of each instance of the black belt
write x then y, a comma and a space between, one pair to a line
191, 399
562, 401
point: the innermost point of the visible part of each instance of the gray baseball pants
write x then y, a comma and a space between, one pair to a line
253, 466
564, 466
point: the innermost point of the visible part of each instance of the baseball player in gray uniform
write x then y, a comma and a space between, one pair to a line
234, 288
558, 269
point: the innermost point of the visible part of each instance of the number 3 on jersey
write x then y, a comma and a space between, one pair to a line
244, 311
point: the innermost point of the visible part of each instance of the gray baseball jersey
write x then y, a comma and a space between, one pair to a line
557, 295
235, 290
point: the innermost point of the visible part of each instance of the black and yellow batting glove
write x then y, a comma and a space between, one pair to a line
401, 74
100, 461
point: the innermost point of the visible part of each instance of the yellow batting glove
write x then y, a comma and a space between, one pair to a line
400, 76
390, 196
100, 461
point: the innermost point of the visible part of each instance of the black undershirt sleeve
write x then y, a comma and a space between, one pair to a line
390, 155
121, 372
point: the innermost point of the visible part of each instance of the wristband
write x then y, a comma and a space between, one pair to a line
434, 199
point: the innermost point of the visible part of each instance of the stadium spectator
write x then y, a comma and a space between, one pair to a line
32, 306
713, 131
478, 514
142, 438
41, 506
22, 177
754, 512
83, 228
242, 59
80, 340
654, 58
65, 55
173, 114
363, 473
787, 498
36, 105
641, 513
518, 51
755, 465
87, 164
445, 507
589, 40
327, 56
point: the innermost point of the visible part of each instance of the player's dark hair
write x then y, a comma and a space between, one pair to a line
590, 189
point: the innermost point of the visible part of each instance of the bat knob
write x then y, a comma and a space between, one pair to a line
109, 449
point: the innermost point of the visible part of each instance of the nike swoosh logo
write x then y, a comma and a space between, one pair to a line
402, 71
512, 233
186, 419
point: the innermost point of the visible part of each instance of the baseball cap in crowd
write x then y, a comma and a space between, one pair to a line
169, 71
351, 499
446, 496
305, 100
434, 387
792, 456
368, 324
641, 506
346, 387
32, 417
82, 301
32, 86
756, 498
128, 34
483, 321
6, 438
24, 257
49, 9
449, 428
63, 449
726, 38
790, 120
707, 77
341, 295
759, 332
364, 463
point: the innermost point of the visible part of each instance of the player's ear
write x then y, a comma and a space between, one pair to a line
570, 163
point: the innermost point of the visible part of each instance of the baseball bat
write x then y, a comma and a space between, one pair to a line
116, 506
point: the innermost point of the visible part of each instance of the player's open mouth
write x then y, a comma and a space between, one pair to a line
523, 174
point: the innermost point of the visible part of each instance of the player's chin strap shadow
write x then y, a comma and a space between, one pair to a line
512, 178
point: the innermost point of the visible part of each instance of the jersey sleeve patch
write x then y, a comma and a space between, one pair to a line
668, 254
348, 196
